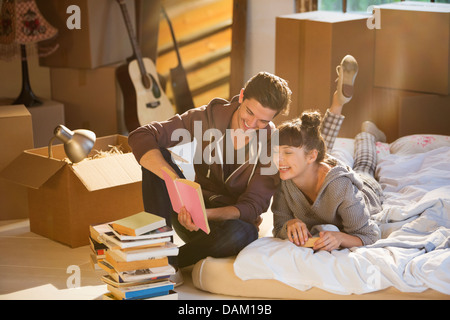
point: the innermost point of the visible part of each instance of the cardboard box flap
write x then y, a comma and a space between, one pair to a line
31, 170
417, 6
324, 16
14, 111
107, 172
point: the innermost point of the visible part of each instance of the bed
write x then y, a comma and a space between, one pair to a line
411, 261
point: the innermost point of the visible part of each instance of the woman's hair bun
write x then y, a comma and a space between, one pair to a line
311, 119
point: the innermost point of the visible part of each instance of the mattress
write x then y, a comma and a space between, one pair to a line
216, 275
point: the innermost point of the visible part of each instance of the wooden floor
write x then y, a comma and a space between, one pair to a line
36, 268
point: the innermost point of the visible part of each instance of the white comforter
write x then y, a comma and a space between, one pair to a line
412, 256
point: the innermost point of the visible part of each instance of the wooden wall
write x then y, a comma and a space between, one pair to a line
203, 32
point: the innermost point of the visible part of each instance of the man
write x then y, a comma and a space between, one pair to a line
235, 192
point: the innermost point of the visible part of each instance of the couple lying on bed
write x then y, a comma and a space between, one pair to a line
236, 194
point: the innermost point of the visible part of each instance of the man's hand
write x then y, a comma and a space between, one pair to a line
185, 219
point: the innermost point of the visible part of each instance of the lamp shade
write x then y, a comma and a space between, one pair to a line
22, 23
77, 143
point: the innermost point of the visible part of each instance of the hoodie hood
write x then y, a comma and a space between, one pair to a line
340, 171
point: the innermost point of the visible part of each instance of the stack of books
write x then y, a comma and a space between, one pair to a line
136, 258
97, 247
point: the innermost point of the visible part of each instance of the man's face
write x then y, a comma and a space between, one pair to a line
253, 115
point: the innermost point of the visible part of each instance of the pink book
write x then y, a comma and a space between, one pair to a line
183, 192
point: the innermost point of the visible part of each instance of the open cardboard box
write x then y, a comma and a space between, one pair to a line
64, 199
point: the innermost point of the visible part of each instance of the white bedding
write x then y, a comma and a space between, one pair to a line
412, 256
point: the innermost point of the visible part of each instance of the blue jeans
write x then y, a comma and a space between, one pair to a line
227, 238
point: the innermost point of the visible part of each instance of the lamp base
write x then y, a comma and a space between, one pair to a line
26, 97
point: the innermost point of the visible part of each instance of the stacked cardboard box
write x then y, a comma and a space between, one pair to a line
309, 46
412, 68
137, 263
83, 68
404, 66
101, 38
16, 135
46, 118
92, 99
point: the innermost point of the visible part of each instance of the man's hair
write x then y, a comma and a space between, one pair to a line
270, 91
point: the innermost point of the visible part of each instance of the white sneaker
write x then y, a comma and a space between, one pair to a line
370, 127
347, 71
177, 278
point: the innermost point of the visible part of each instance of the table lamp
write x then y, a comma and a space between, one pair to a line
22, 24
77, 143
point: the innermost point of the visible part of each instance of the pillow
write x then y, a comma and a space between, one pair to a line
343, 150
419, 143
383, 150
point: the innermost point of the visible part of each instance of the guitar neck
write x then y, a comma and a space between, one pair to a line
134, 43
175, 43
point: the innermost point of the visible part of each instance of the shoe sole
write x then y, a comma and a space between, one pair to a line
349, 69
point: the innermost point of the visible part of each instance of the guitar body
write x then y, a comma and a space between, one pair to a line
151, 104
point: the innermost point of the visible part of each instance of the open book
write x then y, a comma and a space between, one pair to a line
183, 192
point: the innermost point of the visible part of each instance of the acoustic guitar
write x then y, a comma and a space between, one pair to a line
144, 99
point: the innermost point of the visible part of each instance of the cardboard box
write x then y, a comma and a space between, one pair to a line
309, 46
65, 199
46, 118
92, 98
16, 135
400, 113
412, 47
101, 40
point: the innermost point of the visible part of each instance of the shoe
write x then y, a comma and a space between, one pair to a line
347, 71
177, 278
370, 127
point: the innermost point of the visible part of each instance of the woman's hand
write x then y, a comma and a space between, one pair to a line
185, 219
328, 241
297, 232
331, 240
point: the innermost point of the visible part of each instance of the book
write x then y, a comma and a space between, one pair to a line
310, 242
119, 265
172, 295
165, 231
111, 241
97, 247
188, 194
142, 291
109, 280
138, 223
95, 231
136, 275
168, 249
95, 262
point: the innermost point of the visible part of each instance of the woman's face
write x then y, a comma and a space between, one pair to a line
291, 162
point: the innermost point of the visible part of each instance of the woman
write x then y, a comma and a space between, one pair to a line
318, 191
